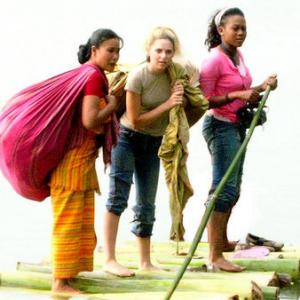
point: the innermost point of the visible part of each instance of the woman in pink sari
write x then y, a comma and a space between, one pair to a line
56, 125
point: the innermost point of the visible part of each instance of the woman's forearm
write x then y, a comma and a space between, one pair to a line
149, 117
218, 101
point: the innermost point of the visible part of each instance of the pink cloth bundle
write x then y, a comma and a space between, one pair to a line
253, 252
37, 127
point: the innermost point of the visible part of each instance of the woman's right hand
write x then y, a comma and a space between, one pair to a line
176, 97
271, 81
251, 96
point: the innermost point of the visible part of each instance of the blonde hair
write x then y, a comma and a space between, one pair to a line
161, 32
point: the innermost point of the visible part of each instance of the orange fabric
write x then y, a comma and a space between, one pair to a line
77, 172
73, 237
72, 187
102, 104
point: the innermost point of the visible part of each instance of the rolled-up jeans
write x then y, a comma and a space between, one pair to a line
224, 140
137, 154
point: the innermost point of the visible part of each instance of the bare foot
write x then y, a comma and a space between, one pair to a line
229, 246
149, 268
63, 286
225, 265
117, 269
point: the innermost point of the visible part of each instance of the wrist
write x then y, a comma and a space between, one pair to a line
262, 88
112, 106
228, 98
168, 105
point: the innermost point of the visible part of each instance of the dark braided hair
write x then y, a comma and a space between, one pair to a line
213, 37
96, 39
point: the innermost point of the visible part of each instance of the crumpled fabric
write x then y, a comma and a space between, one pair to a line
117, 81
174, 152
37, 128
253, 252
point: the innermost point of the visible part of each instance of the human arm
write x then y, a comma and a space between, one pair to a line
251, 95
209, 78
271, 81
138, 119
216, 73
92, 116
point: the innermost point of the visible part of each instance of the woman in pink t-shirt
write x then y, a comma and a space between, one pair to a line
226, 82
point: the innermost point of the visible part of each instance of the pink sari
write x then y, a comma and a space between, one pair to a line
37, 128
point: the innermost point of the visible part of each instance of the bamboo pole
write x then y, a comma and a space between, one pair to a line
287, 266
264, 292
222, 284
33, 267
214, 196
266, 274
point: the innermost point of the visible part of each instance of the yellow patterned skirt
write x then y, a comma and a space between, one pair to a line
73, 184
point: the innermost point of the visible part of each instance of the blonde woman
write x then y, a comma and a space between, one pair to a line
149, 97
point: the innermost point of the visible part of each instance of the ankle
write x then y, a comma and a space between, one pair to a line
145, 264
62, 285
59, 282
110, 259
215, 257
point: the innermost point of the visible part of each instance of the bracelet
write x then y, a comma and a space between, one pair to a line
227, 98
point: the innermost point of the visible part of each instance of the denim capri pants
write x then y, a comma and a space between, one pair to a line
135, 153
223, 141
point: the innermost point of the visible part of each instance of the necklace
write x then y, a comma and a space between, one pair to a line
232, 54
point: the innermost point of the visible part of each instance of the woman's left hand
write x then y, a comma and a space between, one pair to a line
271, 81
178, 88
112, 101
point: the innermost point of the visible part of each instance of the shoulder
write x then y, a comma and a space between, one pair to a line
94, 72
179, 66
213, 61
137, 72
97, 83
136, 78
214, 56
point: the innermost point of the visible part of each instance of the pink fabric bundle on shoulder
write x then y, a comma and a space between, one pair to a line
37, 128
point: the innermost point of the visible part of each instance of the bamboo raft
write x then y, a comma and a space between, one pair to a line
261, 280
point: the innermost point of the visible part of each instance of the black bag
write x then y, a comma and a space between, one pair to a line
246, 114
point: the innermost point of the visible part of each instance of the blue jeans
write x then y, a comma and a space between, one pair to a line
137, 154
224, 140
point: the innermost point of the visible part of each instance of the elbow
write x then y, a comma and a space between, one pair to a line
211, 105
211, 102
135, 124
89, 124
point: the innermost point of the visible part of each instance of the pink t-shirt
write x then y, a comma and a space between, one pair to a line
219, 76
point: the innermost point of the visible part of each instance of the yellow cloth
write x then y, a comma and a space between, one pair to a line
174, 152
73, 235
76, 171
117, 81
72, 186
